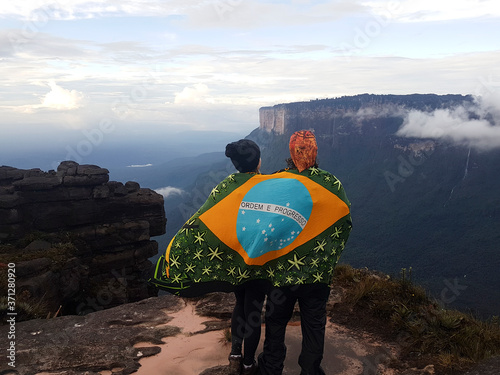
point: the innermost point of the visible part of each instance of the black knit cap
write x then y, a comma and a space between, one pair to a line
245, 155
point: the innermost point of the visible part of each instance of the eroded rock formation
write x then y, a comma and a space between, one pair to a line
77, 240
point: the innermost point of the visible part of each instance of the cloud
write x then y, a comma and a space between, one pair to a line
445, 10
37, 10
57, 99
61, 99
139, 165
488, 102
194, 94
246, 14
169, 190
475, 126
368, 113
240, 14
209, 78
209, 13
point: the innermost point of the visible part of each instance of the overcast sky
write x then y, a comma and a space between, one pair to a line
151, 66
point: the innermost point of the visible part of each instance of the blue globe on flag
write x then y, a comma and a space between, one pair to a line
272, 214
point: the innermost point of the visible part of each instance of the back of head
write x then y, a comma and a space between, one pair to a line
303, 149
245, 155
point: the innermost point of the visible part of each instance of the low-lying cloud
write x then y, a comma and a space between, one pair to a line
139, 165
167, 191
475, 125
368, 113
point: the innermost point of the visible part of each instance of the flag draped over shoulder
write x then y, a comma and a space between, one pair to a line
289, 228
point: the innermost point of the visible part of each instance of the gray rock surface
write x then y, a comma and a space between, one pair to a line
114, 341
95, 237
77, 345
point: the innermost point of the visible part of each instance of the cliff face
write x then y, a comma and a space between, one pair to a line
77, 240
425, 203
272, 119
330, 116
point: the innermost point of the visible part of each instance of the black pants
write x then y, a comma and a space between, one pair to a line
312, 300
246, 319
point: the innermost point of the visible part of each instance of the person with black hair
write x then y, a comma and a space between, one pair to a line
246, 317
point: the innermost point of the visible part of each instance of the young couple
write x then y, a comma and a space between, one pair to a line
312, 297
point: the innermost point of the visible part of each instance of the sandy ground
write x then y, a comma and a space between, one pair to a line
346, 353
186, 354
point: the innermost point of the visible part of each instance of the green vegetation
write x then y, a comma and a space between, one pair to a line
24, 310
225, 338
450, 339
61, 249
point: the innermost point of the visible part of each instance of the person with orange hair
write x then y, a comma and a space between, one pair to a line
312, 297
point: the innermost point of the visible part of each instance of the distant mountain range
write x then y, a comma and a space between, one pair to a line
429, 205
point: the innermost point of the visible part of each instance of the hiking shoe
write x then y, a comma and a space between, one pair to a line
249, 370
235, 364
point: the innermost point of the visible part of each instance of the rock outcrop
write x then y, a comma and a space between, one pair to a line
76, 239
119, 341
427, 196
105, 340
329, 117
190, 336
272, 119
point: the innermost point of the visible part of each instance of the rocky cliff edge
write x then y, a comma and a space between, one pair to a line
75, 241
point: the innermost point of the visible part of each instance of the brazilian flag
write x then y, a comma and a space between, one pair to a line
288, 228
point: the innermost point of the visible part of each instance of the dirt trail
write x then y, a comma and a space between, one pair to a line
189, 353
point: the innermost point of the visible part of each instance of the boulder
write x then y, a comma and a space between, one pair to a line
95, 236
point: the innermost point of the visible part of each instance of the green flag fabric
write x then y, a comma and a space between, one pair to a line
288, 228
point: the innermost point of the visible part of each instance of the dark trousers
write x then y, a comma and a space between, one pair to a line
246, 319
312, 300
